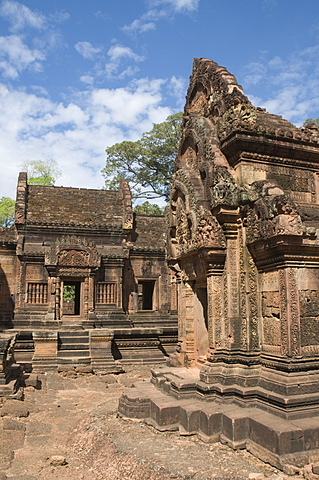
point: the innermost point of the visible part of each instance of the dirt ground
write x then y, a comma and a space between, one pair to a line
69, 430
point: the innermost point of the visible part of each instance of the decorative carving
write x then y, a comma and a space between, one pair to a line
242, 116
209, 233
270, 212
73, 258
73, 251
224, 190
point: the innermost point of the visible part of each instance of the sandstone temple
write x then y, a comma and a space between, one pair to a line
234, 265
84, 280
243, 241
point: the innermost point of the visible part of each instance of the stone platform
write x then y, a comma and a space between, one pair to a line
278, 441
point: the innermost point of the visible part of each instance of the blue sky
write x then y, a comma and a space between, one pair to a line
78, 76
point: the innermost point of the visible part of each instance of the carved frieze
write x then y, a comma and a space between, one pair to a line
72, 251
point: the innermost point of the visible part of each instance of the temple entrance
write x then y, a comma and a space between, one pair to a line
145, 294
71, 298
201, 319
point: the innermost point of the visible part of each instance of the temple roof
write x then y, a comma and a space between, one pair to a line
150, 232
73, 206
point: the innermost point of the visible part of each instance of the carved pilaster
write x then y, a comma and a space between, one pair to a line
289, 313
216, 321
58, 299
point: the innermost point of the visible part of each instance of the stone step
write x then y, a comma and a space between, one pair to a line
74, 346
72, 353
73, 333
74, 361
73, 340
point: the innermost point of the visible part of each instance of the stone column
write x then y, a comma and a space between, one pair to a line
58, 299
289, 313
186, 324
86, 297
216, 320
45, 351
230, 223
102, 360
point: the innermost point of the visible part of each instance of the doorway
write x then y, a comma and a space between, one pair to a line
71, 295
145, 294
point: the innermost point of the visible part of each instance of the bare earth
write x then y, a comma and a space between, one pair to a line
75, 419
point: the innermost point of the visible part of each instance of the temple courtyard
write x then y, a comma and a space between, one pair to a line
68, 428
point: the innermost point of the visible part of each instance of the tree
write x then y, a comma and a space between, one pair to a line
6, 212
42, 172
311, 120
148, 163
149, 208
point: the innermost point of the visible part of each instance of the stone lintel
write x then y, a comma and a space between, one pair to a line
283, 251
239, 142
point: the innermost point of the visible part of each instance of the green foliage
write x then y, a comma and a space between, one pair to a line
42, 172
148, 163
69, 293
149, 208
311, 120
6, 212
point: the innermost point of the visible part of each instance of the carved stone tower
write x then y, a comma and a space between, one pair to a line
243, 241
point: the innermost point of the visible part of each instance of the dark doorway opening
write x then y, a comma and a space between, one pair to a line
145, 294
202, 296
71, 297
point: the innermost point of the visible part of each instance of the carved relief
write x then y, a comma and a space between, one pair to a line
241, 116
73, 251
209, 233
270, 212
223, 188
74, 258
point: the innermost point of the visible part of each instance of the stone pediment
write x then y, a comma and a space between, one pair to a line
73, 251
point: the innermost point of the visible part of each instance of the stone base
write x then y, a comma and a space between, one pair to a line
11, 389
278, 441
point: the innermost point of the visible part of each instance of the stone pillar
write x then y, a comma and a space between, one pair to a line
230, 223
50, 315
91, 294
45, 351
289, 313
186, 328
58, 299
102, 360
86, 298
216, 320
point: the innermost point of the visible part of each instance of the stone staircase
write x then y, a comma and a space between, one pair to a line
73, 348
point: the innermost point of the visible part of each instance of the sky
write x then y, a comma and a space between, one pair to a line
77, 76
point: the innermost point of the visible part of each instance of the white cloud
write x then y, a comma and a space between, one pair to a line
74, 133
139, 26
87, 50
290, 87
88, 79
159, 9
116, 52
177, 88
15, 56
179, 5
119, 54
21, 16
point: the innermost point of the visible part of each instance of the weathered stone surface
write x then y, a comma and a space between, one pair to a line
115, 266
11, 424
243, 244
14, 409
58, 461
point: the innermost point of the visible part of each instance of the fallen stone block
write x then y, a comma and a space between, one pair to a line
10, 424
14, 409
58, 461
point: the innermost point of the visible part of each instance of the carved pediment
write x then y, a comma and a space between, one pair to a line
73, 258
73, 251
